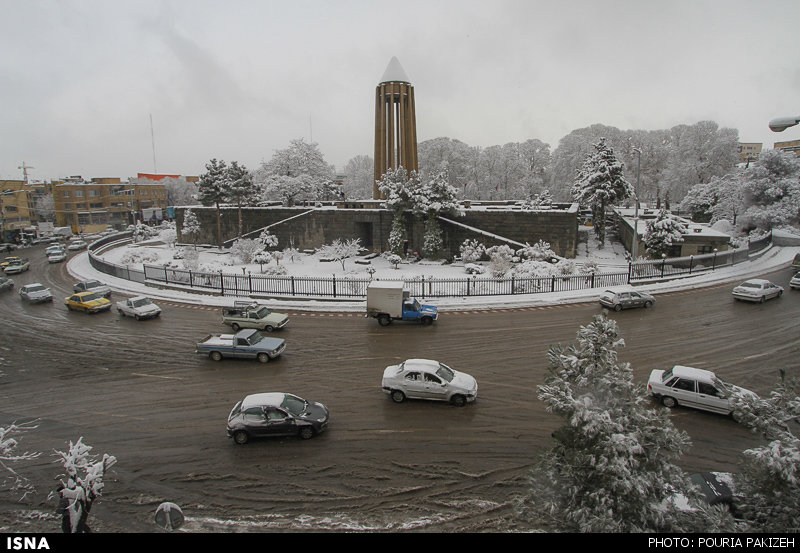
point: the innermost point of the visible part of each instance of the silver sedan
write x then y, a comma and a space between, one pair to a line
757, 289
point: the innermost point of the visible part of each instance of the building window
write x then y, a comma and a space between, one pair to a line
79, 193
94, 192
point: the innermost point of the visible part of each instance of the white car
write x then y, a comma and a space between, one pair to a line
35, 293
138, 307
92, 286
77, 245
427, 379
757, 289
52, 249
794, 283
691, 387
57, 256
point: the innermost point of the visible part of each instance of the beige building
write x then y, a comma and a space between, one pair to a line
789, 146
749, 151
17, 208
93, 206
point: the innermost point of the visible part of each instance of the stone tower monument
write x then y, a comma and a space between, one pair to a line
395, 124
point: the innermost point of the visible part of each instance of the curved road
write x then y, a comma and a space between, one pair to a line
136, 390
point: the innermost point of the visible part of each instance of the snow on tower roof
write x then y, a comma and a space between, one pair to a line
394, 72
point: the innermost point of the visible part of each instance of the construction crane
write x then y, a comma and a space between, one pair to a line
25, 170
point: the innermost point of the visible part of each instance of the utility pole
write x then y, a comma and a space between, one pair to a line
635, 245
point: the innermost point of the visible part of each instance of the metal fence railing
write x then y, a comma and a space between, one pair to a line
256, 285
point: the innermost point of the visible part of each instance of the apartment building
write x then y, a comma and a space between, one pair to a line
789, 146
749, 151
92, 206
17, 208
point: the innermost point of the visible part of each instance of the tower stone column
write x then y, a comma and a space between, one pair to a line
395, 124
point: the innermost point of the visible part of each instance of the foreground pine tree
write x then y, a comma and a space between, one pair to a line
613, 464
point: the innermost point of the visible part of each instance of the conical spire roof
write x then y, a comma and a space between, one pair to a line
394, 72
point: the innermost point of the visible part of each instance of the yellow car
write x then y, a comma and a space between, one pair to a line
9, 260
89, 302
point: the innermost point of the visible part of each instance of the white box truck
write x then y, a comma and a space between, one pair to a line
389, 301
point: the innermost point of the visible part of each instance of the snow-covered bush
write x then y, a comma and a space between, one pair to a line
191, 260
471, 250
500, 260
540, 251
275, 270
244, 249
82, 483
339, 250
137, 257
473, 269
393, 258
9, 455
590, 266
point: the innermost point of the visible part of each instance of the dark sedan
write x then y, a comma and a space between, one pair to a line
276, 414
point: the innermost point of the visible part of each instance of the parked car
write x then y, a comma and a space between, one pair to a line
625, 299
691, 387
36, 293
6, 284
89, 302
757, 289
138, 307
17, 266
428, 379
77, 245
276, 414
794, 282
92, 286
6, 247
57, 256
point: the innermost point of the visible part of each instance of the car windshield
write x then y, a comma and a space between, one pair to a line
750, 285
295, 405
263, 312
445, 372
90, 297
722, 386
93, 283
39, 288
140, 302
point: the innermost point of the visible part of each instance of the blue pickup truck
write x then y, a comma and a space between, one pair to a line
248, 344
389, 301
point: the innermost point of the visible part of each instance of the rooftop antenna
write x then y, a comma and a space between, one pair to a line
153, 140
25, 171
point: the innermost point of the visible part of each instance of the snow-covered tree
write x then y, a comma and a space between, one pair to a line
613, 466
359, 178
500, 259
663, 232
267, 239
244, 249
261, 257
241, 189
768, 485
295, 173
82, 482
339, 250
191, 226
45, 207
471, 250
399, 188
719, 198
540, 251
289, 190
435, 197
214, 188
772, 189
599, 184
9, 456
180, 191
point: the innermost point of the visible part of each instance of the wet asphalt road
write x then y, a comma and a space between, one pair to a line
136, 390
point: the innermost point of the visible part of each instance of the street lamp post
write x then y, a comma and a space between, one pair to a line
780, 124
635, 245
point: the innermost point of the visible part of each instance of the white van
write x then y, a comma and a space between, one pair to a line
691, 387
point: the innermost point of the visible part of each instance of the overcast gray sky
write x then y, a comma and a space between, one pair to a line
238, 79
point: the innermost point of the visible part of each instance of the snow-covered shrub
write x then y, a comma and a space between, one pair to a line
191, 259
535, 269
540, 251
393, 258
137, 257
397, 235
432, 243
473, 269
590, 267
291, 253
275, 270
500, 260
244, 249
471, 250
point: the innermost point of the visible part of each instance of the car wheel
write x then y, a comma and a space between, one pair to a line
780, 293
427, 320
235, 327
458, 400
269, 328
648, 304
384, 320
240, 437
306, 432
618, 307
215, 356
761, 300
120, 311
262, 358
398, 396
137, 317
668, 401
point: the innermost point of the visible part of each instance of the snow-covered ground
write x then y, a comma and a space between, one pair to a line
608, 258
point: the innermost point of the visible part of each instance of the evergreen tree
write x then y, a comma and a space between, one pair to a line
399, 188
191, 226
242, 191
599, 184
663, 232
435, 197
768, 486
613, 466
213, 189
